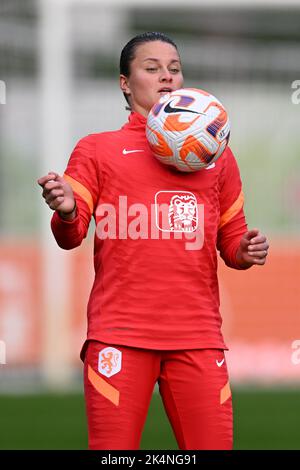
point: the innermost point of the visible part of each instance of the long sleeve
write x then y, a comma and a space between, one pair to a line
232, 224
83, 175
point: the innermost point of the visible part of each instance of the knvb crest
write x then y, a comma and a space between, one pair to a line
181, 208
110, 361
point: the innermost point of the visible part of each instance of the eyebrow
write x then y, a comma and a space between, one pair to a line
157, 60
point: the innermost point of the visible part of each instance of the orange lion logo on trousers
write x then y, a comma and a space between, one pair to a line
110, 361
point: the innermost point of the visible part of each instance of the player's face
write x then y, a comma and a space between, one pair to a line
155, 71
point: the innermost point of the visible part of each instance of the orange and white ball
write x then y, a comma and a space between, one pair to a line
188, 129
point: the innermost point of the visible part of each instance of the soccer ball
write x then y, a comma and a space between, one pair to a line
188, 129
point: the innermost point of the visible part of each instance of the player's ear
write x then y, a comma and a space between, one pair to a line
124, 85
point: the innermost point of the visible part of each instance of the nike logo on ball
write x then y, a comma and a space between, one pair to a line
210, 166
219, 364
168, 109
125, 152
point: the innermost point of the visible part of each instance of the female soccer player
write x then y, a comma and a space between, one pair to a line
153, 312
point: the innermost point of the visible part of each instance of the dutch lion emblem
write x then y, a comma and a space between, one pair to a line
183, 213
110, 361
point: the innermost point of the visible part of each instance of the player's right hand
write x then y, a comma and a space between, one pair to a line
57, 193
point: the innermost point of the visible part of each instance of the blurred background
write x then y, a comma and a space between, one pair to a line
58, 83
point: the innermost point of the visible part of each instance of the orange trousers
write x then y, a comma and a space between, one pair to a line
193, 384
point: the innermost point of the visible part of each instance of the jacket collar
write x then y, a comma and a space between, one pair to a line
135, 121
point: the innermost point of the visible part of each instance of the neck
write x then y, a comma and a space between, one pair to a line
140, 110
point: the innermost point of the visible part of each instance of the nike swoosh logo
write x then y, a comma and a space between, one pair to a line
210, 166
219, 364
125, 152
169, 110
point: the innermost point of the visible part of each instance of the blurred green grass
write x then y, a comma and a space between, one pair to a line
264, 419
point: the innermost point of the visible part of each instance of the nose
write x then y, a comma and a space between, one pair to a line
166, 76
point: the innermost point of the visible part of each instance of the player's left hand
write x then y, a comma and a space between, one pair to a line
253, 249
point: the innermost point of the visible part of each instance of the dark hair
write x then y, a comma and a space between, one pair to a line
128, 51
